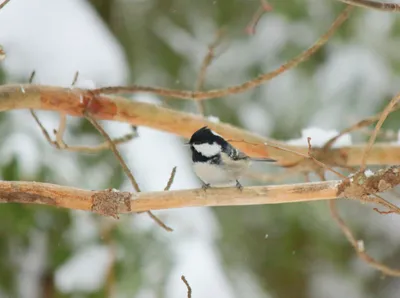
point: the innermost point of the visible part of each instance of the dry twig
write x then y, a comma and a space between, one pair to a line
360, 250
358, 125
4, 3
74, 101
171, 179
206, 63
385, 6
189, 289
59, 143
264, 7
124, 166
378, 126
238, 88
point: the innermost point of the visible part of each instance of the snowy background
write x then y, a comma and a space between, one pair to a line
270, 251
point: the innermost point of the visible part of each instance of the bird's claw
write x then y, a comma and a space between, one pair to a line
239, 186
205, 186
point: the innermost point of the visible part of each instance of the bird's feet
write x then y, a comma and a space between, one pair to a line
205, 186
239, 186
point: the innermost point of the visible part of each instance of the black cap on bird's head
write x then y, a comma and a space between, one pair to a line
206, 135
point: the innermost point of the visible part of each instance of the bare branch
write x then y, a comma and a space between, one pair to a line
385, 6
114, 149
206, 63
360, 250
358, 125
189, 289
74, 101
378, 126
264, 7
59, 143
75, 79
4, 3
124, 166
238, 88
360, 190
107, 202
171, 179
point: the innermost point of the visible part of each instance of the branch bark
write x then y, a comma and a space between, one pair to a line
73, 102
112, 202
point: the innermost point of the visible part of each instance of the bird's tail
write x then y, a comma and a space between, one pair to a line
263, 159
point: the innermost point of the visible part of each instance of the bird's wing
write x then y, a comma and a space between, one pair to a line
236, 154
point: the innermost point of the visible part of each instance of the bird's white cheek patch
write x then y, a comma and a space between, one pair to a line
208, 150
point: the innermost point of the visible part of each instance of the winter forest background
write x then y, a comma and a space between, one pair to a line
288, 250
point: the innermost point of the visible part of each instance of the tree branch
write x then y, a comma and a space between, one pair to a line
112, 202
198, 95
384, 6
74, 101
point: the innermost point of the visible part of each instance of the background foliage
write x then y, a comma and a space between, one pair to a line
290, 250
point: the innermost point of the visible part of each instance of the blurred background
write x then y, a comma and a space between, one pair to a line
292, 250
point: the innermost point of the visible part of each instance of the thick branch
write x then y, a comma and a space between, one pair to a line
74, 101
113, 202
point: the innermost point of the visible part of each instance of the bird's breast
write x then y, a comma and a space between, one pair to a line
212, 173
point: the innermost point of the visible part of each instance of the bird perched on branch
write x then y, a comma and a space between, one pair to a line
215, 161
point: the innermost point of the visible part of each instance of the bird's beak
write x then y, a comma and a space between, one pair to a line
186, 144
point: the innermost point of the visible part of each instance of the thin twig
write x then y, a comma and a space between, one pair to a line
62, 124
264, 7
385, 6
378, 126
44, 131
189, 289
322, 164
59, 144
32, 77
128, 173
359, 250
114, 149
206, 63
358, 125
4, 3
238, 88
171, 179
159, 221
75, 79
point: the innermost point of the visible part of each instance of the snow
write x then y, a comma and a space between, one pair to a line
319, 137
85, 271
368, 173
58, 50
213, 119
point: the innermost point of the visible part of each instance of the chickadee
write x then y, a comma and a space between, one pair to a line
215, 161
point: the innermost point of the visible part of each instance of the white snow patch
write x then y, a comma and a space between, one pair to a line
85, 271
368, 173
319, 137
213, 119
58, 50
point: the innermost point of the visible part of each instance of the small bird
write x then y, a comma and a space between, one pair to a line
215, 161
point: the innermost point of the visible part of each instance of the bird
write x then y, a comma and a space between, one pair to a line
216, 161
